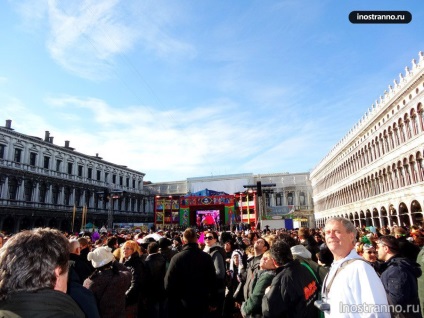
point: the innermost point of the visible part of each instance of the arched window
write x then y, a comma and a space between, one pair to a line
407, 173
391, 141
421, 115
407, 127
413, 170
414, 122
395, 178
401, 131
386, 142
396, 133
420, 168
401, 175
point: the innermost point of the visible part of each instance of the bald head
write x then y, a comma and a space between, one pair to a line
74, 247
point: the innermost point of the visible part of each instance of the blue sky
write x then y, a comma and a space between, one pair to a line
189, 88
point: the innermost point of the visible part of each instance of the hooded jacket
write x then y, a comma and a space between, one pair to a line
399, 277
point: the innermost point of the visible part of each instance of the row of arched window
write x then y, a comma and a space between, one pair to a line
402, 173
405, 128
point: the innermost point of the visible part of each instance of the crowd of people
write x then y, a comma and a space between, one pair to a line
336, 271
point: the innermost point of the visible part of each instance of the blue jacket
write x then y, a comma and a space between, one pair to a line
399, 277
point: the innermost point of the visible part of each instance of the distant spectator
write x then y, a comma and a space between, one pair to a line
109, 282
399, 276
188, 270
155, 265
406, 248
81, 267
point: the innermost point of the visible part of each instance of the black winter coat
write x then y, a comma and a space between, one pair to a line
40, 304
155, 270
190, 283
399, 277
136, 266
292, 293
81, 295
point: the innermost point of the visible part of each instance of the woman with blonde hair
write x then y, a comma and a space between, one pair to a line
130, 257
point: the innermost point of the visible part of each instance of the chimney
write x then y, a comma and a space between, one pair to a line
46, 136
8, 124
51, 140
66, 143
97, 154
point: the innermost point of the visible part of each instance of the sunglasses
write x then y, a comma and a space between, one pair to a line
371, 252
208, 237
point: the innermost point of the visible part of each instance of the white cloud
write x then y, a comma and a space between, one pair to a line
86, 37
172, 144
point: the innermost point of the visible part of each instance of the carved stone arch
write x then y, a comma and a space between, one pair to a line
404, 215
356, 219
384, 216
368, 218
376, 218
416, 213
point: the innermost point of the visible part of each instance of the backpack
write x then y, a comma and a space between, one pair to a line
318, 271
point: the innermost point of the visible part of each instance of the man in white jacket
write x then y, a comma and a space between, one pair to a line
352, 288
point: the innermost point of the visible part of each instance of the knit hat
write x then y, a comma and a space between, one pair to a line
101, 256
164, 242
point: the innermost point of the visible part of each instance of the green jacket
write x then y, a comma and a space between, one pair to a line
253, 305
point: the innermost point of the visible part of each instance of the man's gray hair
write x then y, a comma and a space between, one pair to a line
348, 225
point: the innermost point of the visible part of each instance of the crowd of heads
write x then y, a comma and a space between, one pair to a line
22, 252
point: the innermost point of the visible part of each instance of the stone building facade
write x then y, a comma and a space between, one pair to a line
42, 184
280, 189
375, 175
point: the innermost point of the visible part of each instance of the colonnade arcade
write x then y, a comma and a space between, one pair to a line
29, 201
401, 214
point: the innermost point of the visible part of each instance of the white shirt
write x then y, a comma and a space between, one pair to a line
356, 291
